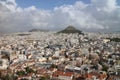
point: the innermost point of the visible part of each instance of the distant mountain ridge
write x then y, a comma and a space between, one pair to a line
38, 30
1, 33
118, 31
71, 29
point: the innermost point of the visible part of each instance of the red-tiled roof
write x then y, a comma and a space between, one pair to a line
62, 73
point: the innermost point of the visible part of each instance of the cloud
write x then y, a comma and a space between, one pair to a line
75, 15
99, 15
105, 5
10, 4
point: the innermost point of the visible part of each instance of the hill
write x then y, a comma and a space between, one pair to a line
71, 29
38, 30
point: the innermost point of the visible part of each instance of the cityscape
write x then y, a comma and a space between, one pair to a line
59, 40
40, 55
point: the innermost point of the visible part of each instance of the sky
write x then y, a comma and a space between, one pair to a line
86, 15
46, 4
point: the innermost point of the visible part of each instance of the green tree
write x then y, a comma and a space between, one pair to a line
105, 68
20, 73
7, 77
43, 78
54, 66
24, 79
29, 70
